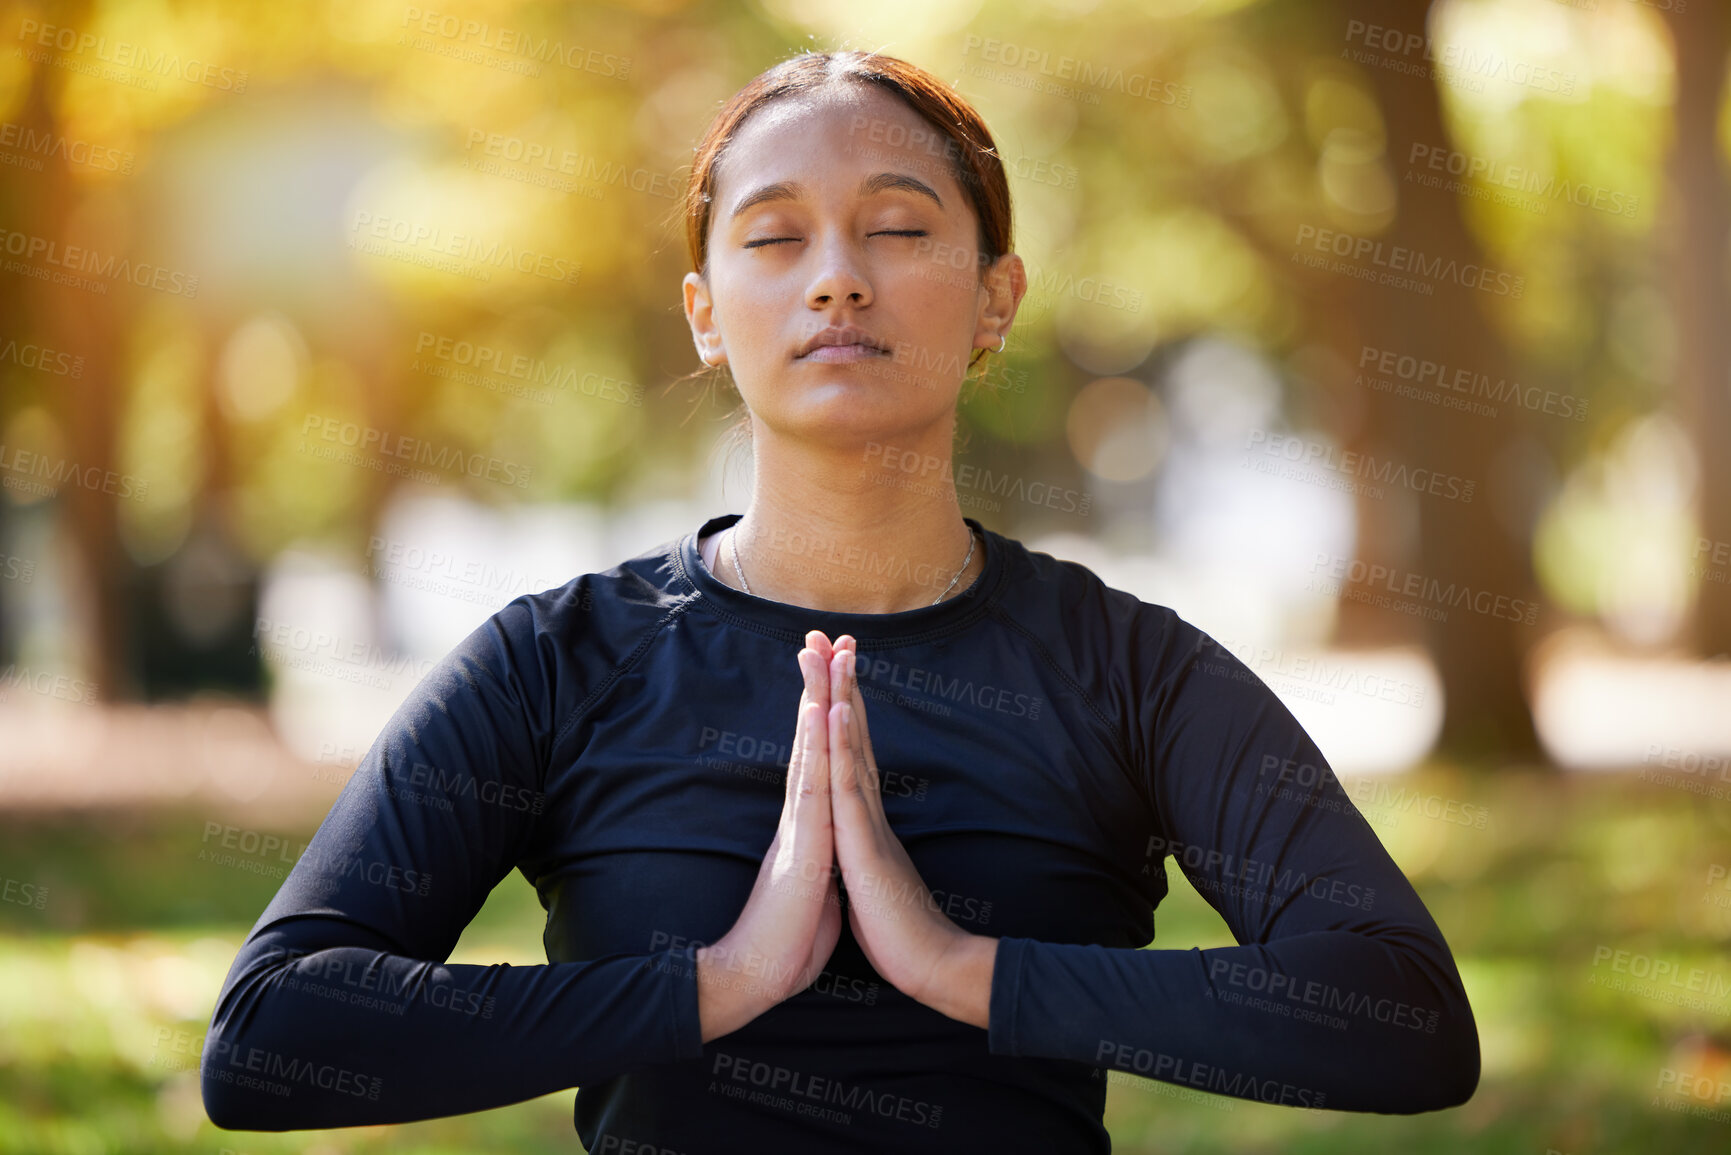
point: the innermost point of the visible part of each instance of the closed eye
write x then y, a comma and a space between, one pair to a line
883, 233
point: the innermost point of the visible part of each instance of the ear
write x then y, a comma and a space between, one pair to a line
1003, 284
700, 315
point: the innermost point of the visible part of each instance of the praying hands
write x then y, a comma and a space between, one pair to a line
833, 814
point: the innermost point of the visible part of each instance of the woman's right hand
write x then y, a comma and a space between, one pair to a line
792, 918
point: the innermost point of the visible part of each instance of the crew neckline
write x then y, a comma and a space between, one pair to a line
869, 630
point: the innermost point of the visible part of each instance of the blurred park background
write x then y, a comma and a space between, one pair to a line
1387, 341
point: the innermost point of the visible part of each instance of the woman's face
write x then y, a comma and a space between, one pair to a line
836, 212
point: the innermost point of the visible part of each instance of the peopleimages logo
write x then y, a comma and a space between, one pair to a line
41, 144
1518, 178
124, 54
1324, 459
510, 42
278, 1073
1342, 574
1460, 64
485, 358
413, 449
1259, 879
42, 359
1176, 1069
1397, 259
464, 246
1457, 387
39, 474
549, 167
79, 259
801, 1092
1082, 74
1325, 996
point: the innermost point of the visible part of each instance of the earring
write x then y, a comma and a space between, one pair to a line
1003, 340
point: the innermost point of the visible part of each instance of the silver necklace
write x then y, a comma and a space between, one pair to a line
733, 548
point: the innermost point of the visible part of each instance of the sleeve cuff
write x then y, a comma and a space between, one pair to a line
687, 1025
1006, 997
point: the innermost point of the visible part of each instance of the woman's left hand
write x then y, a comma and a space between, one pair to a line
905, 936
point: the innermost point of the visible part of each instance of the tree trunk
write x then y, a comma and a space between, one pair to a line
85, 407
1699, 212
1461, 542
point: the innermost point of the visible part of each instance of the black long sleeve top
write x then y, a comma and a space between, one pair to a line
1045, 742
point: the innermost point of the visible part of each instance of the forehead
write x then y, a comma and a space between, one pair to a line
841, 132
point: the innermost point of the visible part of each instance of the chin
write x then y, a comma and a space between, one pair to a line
856, 411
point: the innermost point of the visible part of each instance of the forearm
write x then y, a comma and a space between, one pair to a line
1330, 1019
728, 996
962, 980
352, 1035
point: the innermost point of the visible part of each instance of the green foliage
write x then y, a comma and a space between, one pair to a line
138, 934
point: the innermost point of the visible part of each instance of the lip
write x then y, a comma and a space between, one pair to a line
841, 343
838, 354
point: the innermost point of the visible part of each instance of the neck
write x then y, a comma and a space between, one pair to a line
838, 529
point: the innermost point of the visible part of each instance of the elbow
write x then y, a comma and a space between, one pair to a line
1461, 1078
222, 1108
226, 1109
227, 1106
1454, 1062
1460, 1075
1451, 1062
229, 1102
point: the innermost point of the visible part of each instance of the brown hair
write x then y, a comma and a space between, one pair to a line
966, 143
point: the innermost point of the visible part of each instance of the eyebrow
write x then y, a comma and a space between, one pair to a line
879, 182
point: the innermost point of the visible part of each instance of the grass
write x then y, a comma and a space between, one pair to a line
106, 986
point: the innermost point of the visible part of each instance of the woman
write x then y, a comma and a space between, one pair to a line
939, 948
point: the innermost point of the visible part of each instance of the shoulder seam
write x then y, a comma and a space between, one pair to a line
613, 676
1039, 648
1126, 764
1075, 687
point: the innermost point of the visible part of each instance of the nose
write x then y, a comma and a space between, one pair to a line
840, 275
